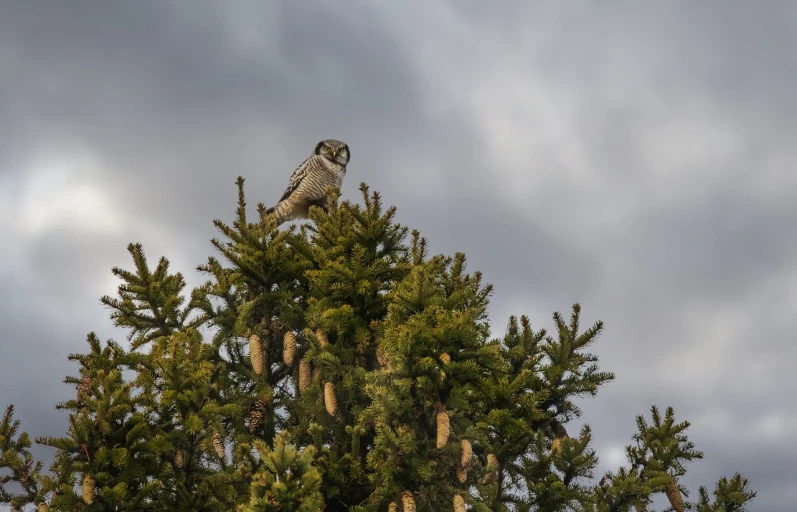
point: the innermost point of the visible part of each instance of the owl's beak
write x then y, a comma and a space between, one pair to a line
335, 153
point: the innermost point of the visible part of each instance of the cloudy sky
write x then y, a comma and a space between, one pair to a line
635, 157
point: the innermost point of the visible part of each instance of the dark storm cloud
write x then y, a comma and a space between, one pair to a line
171, 99
634, 158
706, 225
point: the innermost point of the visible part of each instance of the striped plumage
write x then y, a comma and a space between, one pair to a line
309, 182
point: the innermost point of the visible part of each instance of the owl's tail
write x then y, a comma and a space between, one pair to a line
281, 212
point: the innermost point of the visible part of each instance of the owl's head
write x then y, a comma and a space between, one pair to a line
334, 150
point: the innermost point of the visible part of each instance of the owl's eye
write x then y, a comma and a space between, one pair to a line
325, 149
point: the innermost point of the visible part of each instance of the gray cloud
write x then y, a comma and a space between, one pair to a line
634, 158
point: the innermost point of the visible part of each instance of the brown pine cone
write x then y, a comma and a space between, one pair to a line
459, 503
674, 495
407, 502
304, 374
330, 400
256, 353
289, 348
443, 428
87, 491
467, 453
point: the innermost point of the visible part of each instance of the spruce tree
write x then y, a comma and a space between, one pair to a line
106, 452
18, 464
337, 366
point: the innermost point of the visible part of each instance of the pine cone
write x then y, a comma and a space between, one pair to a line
443, 428
178, 459
674, 495
445, 359
330, 400
83, 387
393, 507
322, 338
407, 502
256, 353
87, 492
218, 445
462, 475
381, 358
459, 503
289, 348
492, 467
560, 433
467, 453
44, 507
304, 374
256, 413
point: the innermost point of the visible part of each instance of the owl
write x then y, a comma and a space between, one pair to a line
308, 184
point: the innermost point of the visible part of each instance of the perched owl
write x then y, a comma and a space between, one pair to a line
308, 184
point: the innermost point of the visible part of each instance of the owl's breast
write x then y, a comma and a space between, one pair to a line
336, 172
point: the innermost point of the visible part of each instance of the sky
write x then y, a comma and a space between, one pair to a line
634, 157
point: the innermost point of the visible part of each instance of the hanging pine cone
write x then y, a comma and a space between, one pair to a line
289, 348
492, 468
381, 358
256, 353
322, 338
87, 491
83, 387
459, 503
443, 427
674, 495
330, 400
467, 453
393, 507
304, 374
257, 412
218, 446
560, 434
462, 475
445, 359
407, 502
178, 459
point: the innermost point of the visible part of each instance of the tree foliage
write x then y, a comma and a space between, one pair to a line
337, 366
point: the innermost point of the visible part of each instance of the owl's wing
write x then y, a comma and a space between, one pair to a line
296, 178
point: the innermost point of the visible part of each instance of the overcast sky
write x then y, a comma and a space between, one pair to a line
635, 157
